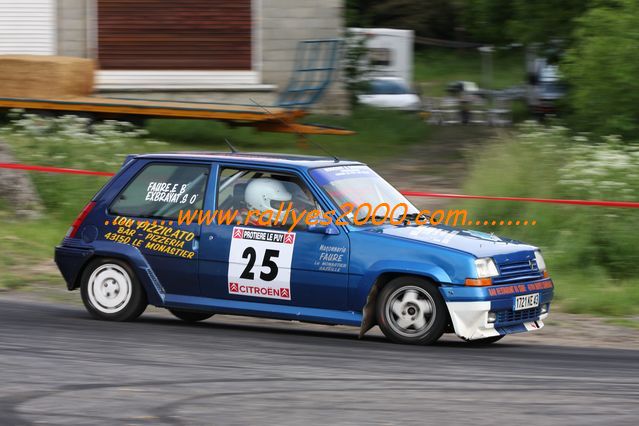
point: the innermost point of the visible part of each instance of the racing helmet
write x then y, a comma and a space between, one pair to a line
266, 194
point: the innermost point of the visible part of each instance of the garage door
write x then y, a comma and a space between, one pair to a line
174, 35
27, 27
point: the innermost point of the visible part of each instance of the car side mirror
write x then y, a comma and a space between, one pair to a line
329, 229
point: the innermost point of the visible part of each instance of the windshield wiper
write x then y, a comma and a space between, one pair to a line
412, 217
370, 220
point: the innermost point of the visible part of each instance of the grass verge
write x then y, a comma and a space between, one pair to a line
435, 67
591, 252
378, 133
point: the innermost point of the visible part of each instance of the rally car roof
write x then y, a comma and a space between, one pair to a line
307, 161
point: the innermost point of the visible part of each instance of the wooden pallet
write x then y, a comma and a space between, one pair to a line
276, 119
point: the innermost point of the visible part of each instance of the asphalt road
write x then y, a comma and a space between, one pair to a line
58, 366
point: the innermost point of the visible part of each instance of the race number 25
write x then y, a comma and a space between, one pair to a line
251, 255
260, 263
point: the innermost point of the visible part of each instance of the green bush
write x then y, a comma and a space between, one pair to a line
585, 247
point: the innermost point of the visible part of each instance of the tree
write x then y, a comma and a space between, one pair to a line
543, 21
522, 21
602, 68
428, 18
486, 21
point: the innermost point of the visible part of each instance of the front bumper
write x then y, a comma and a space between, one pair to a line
469, 308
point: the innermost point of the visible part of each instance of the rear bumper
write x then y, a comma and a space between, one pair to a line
70, 261
469, 308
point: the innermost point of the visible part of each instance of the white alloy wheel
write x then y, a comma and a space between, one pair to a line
410, 311
109, 288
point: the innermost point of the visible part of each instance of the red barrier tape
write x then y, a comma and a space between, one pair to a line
626, 204
53, 169
408, 193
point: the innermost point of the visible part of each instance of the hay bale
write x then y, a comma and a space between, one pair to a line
45, 77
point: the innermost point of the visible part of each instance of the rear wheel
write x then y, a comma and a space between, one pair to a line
411, 310
111, 291
191, 316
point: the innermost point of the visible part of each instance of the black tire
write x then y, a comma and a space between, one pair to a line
485, 341
191, 316
111, 291
394, 311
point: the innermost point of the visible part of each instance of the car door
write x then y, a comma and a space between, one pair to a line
145, 212
249, 261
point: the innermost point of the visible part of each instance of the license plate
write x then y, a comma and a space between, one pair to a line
526, 301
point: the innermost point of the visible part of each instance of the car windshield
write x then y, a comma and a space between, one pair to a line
364, 190
388, 87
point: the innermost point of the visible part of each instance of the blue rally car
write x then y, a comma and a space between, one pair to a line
126, 250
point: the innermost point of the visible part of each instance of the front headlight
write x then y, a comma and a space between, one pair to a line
486, 267
541, 264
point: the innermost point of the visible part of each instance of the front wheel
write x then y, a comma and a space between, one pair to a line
411, 310
111, 291
191, 316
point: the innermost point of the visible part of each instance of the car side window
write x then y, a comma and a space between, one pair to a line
251, 192
162, 190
